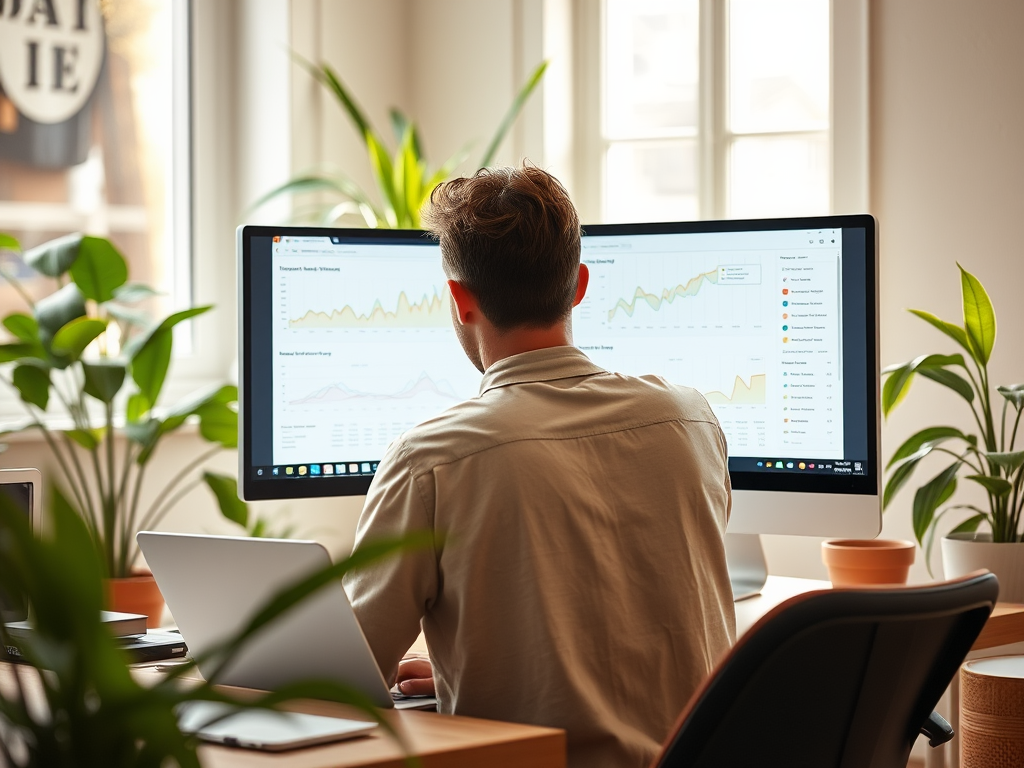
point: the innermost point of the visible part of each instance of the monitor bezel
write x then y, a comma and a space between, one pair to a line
867, 486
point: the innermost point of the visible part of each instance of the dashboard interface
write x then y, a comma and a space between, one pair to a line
348, 341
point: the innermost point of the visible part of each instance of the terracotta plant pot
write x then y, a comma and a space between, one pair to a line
858, 562
963, 553
136, 594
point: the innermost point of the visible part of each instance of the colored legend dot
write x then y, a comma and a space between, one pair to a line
785, 327
785, 315
785, 303
785, 339
785, 291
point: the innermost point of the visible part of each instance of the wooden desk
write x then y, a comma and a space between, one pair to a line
440, 741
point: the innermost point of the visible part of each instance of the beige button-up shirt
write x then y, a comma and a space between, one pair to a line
581, 580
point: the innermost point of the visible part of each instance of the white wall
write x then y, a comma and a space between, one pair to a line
947, 185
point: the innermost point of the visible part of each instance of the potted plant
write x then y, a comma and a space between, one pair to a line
985, 455
403, 176
72, 701
89, 366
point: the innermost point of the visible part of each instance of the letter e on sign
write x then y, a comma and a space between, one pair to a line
50, 55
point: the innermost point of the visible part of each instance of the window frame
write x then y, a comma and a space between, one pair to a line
848, 119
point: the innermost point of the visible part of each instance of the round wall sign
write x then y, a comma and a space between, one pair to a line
50, 55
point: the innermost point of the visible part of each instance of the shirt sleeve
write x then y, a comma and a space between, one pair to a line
391, 595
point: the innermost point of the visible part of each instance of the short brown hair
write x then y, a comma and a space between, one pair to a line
512, 237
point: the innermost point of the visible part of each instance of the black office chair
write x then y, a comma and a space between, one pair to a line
842, 678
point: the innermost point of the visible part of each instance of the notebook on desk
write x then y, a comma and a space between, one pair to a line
214, 584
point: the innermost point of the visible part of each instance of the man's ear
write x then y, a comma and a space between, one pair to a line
581, 286
466, 308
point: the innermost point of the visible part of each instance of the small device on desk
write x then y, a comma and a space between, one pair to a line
266, 730
346, 341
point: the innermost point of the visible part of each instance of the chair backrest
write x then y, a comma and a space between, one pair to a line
841, 678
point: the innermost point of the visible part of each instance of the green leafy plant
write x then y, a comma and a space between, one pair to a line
403, 175
988, 457
237, 511
88, 352
74, 702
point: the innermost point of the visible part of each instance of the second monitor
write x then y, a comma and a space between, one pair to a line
347, 341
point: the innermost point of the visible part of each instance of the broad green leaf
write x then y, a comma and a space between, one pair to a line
137, 342
997, 486
58, 309
33, 384
930, 497
99, 269
9, 243
955, 332
73, 338
129, 293
218, 423
383, 174
932, 436
1010, 461
512, 114
103, 379
12, 352
149, 365
23, 327
225, 489
54, 258
151, 356
1014, 393
979, 316
412, 179
954, 381
970, 525
220, 394
142, 432
316, 183
136, 407
330, 80
399, 124
901, 472
87, 438
896, 387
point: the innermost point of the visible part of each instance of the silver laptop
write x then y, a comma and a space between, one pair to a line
214, 584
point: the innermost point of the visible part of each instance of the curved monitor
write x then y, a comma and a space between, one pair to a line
346, 341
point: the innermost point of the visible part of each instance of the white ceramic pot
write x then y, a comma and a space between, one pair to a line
966, 552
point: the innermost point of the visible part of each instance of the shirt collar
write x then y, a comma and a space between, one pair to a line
545, 364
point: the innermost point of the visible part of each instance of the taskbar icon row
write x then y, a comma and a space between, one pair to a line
827, 466
345, 469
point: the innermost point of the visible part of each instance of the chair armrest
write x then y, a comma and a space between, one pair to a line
937, 729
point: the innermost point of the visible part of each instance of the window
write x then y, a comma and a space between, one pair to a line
714, 109
94, 135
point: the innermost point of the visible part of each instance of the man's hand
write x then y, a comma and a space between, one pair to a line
415, 677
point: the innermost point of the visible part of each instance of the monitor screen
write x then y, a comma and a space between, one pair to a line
347, 341
18, 488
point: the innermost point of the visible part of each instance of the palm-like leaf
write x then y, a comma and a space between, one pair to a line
403, 178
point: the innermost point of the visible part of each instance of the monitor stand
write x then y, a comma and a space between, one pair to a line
748, 570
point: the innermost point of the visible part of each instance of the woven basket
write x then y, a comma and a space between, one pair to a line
992, 713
